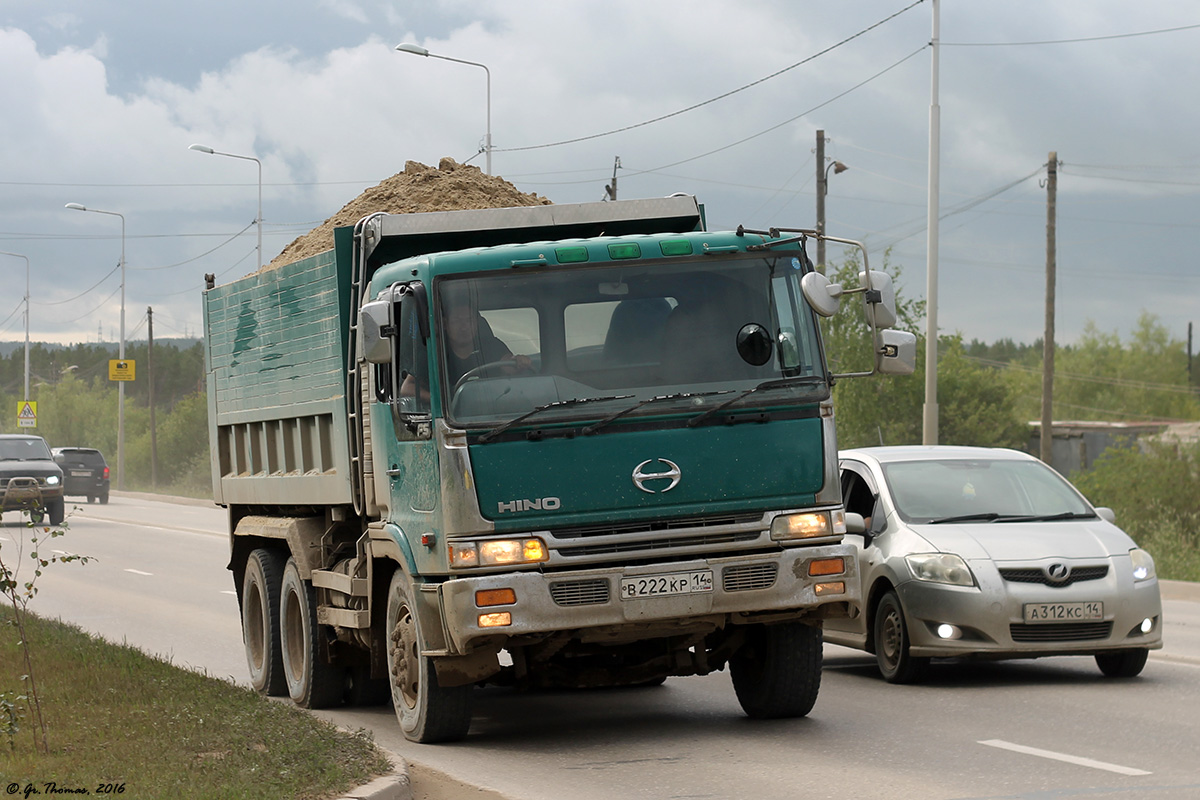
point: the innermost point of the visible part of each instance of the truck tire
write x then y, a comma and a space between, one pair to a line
777, 673
427, 712
312, 682
260, 621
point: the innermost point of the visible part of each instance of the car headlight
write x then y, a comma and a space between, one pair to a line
52, 480
497, 552
940, 568
1143, 565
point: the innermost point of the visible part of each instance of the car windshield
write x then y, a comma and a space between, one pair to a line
981, 490
23, 449
625, 340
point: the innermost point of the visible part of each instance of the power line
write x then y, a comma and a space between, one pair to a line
719, 97
1070, 41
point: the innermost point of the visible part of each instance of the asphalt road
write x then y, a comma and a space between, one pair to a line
1051, 728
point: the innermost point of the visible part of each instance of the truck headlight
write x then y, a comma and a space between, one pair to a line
1143, 565
497, 552
940, 568
809, 525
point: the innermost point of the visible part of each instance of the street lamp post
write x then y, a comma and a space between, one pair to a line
417, 50
18, 255
822, 190
121, 352
200, 148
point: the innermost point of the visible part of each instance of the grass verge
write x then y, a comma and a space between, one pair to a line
122, 722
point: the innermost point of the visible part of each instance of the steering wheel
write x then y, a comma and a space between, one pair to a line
483, 369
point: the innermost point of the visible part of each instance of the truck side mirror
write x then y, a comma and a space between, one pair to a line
897, 353
882, 297
376, 332
824, 297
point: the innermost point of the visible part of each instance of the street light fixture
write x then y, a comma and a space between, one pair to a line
417, 50
200, 148
18, 255
822, 190
121, 352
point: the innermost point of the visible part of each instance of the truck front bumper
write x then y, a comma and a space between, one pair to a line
748, 588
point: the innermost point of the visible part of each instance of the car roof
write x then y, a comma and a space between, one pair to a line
897, 453
76, 449
19, 436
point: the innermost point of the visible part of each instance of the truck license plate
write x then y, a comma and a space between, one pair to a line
1063, 612
664, 585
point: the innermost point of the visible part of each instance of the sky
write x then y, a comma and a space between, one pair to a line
101, 100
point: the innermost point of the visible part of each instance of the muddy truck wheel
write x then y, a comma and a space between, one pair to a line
312, 682
260, 621
427, 712
777, 673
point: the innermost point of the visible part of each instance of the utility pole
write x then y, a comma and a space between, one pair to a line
610, 191
150, 371
1046, 437
820, 201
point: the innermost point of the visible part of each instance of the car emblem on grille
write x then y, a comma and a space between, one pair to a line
672, 474
1058, 572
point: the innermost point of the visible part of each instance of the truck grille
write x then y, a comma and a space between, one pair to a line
749, 577
657, 538
1036, 575
1066, 632
592, 591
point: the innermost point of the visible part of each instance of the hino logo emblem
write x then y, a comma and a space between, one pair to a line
672, 474
1058, 572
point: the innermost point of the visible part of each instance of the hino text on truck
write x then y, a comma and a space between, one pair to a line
560, 445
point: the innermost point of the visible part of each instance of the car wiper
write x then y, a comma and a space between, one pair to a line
1050, 517
989, 516
779, 383
595, 426
574, 401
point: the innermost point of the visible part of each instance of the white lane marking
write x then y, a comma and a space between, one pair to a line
138, 572
1077, 760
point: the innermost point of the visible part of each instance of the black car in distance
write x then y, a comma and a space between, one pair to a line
85, 472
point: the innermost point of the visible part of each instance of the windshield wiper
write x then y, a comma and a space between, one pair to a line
779, 383
595, 426
987, 516
574, 401
1051, 517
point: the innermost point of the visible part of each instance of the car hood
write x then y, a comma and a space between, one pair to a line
1025, 541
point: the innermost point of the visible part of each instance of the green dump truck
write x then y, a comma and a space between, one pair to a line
555, 446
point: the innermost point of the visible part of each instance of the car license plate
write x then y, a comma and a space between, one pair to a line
81, 473
665, 585
1063, 612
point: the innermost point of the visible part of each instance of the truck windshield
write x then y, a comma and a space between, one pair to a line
626, 340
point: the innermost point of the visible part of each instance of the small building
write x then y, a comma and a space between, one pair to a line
1078, 443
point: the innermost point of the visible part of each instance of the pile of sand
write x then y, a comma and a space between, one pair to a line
450, 187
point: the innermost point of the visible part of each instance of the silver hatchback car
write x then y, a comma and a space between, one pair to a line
989, 553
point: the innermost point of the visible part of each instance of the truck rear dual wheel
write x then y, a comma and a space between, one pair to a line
312, 682
260, 621
427, 712
777, 673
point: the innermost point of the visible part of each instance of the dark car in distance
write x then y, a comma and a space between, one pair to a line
30, 481
85, 472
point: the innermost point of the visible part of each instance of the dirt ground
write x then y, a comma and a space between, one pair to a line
450, 187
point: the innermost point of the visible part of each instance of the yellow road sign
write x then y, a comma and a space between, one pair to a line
27, 413
121, 369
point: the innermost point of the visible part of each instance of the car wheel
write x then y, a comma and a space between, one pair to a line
260, 621
427, 711
777, 673
1122, 663
896, 664
104, 499
57, 511
91, 499
311, 680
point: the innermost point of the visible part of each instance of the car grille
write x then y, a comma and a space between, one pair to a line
1036, 575
592, 591
1066, 632
748, 577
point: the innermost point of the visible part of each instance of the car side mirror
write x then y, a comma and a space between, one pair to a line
1105, 513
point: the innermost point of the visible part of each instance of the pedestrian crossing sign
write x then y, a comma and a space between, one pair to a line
27, 413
